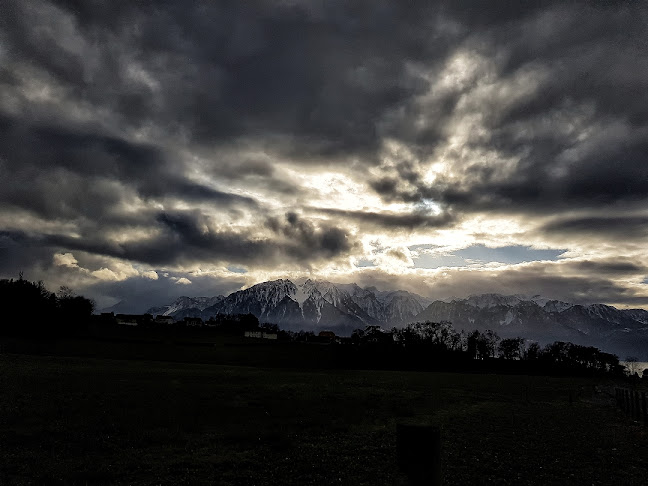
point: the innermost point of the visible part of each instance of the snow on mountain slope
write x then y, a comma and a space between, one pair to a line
338, 297
393, 306
319, 305
639, 315
315, 302
485, 301
545, 320
555, 305
258, 299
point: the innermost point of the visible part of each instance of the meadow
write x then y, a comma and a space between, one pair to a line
86, 420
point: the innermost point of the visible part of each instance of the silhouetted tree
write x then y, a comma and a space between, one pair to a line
31, 310
557, 352
74, 310
472, 341
511, 348
482, 345
533, 351
438, 336
573, 358
492, 339
26, 306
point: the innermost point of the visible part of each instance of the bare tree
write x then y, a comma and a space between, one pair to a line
632, 365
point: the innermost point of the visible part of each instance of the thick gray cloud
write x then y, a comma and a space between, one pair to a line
326, 73
55, 152
621, 266
175, 133
617, 227
578, 138
395, 221
308, 241
189, 237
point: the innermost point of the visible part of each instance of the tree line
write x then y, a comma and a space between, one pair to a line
439, 345
30, 310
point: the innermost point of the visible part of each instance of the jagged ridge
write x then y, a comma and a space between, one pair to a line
318, 304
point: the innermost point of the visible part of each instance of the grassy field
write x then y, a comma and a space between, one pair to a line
78, 421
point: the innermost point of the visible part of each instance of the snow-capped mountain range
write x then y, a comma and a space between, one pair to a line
318, 305
315, 304
624, 332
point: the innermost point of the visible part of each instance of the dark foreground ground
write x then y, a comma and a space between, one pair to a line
82, 420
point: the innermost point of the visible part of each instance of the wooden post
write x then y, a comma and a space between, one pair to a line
645, 408
419, 453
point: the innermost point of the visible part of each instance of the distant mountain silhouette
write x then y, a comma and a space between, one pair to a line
122, 307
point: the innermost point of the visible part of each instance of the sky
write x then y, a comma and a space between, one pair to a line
152, 149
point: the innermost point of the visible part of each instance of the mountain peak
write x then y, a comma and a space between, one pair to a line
482, 301
319, 304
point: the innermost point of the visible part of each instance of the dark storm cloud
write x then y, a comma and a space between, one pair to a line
253, 172
330, 77
310, 240
396, 221
531, 279
321, 74
621, 266
40, 161
617, 174
191, 191
387, 187
620, 227
596, 51
16, 254
186, 237
589, 60
596, 181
